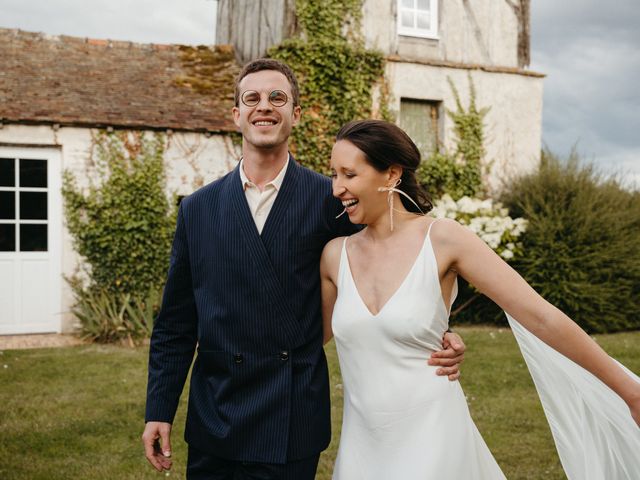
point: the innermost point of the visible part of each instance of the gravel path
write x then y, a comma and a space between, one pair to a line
41, 340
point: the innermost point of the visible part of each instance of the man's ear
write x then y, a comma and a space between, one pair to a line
297, 112
235, 111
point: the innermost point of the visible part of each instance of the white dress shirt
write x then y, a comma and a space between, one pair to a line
260, 202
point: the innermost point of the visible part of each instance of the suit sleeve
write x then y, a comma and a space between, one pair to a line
174, 336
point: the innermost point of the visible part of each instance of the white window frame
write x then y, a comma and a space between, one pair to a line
52, 299
419, 32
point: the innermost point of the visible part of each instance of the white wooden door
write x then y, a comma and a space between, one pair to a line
30, 240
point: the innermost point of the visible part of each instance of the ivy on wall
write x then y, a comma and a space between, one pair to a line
329, 19
123, 226
337, 75
459, 173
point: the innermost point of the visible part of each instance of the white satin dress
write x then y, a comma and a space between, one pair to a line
401, 420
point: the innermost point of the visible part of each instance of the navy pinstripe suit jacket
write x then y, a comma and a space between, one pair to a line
251, 304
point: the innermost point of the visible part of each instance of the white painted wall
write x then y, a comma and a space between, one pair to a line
192, 160
513, 126
476, 32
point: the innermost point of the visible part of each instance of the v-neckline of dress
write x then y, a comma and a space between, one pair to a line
400, 286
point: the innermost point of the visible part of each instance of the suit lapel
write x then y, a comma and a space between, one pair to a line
257, 253
282, 206
241, 207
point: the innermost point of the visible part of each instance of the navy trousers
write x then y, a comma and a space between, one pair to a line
203, 466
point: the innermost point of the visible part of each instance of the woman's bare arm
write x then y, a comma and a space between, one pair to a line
329, 264
461, 249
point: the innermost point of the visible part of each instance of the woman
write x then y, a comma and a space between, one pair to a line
387, 293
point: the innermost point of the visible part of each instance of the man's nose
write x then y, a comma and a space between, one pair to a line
264, 103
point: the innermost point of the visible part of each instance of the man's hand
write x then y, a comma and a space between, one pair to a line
450, 358
156, 439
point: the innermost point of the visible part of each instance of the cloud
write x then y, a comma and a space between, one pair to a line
145, 21
590, 53
570, 19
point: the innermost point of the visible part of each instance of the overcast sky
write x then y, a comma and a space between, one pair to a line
589, 50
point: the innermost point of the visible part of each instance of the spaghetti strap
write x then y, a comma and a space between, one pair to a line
431, 225
343, 262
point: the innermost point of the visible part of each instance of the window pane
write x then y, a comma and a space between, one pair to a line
408, 3
407, 19
33, 205
33, 238
7, 205
7, 237
423, 21
7, 172
33, 173
420, 120
424, 4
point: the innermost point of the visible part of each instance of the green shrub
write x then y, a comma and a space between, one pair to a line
107, 317
122, 227
442, 174
582, 245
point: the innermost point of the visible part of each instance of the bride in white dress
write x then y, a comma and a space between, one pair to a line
387, 292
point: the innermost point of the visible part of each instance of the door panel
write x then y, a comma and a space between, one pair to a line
30, 240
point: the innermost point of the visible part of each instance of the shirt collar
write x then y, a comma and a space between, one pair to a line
276, 182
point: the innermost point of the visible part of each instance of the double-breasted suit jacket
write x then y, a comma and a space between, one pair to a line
250, 303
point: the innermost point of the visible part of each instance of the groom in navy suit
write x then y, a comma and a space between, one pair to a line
243, 289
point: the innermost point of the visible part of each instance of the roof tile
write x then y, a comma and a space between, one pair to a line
76, 81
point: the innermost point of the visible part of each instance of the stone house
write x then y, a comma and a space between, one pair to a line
57, 92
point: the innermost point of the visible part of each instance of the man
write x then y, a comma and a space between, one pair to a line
243, 286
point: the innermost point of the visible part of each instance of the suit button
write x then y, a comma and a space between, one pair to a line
238, 358
284, 355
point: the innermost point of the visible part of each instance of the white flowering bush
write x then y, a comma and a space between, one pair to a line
487, 219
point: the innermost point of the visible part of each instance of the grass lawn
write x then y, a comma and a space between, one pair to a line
77, 412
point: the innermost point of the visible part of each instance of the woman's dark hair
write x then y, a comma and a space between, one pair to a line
385, 144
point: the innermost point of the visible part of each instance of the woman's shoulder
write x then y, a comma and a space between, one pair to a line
433, 225
333, 247
446, 224
446, 230
331, 257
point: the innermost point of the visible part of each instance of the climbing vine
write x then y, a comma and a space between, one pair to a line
459, 173
337, 75
123, 226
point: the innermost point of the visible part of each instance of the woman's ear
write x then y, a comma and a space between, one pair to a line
395, 173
